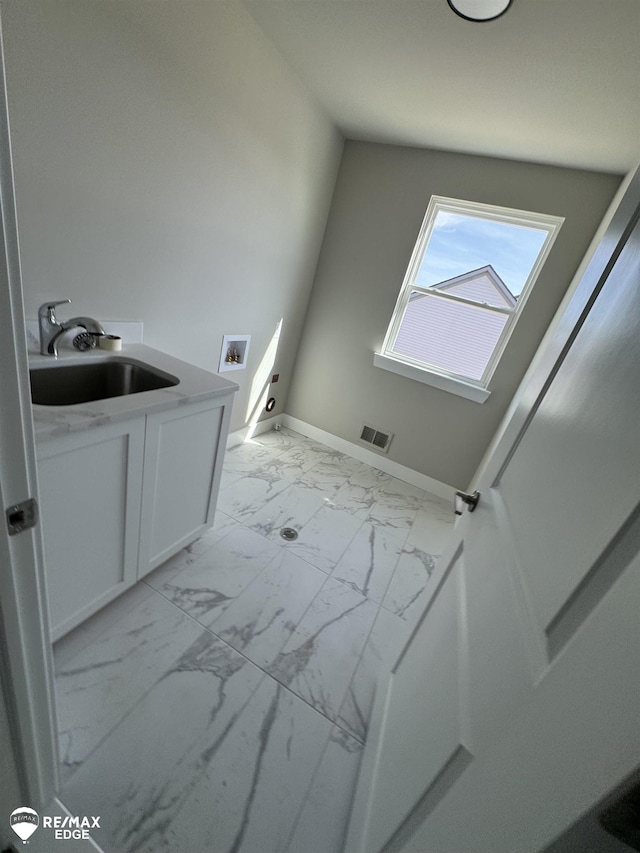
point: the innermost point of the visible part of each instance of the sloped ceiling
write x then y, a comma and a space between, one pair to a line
552, 81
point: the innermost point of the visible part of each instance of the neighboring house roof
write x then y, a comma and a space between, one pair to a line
481, 285
456, 336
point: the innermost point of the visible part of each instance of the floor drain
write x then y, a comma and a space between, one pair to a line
289, 534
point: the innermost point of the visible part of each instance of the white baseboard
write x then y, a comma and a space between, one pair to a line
241, 435
362, 454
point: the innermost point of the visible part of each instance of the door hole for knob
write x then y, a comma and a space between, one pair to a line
22, 516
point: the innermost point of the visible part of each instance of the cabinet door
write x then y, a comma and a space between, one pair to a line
184, 449
90, 487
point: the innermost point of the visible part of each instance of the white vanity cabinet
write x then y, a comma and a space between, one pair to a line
90, 487
182, 467
125, 481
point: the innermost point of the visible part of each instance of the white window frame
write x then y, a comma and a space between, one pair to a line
476, 390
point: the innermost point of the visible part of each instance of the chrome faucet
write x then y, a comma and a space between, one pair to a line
51, 330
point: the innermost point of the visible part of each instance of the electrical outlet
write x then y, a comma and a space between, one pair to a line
275, 377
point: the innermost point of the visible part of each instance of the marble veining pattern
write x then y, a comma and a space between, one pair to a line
322, 823
261, 620
325, 538
293, 507
209, 584
250, 494
369, 562
382, 649
248, 799
408, 586
155, 757
109, 677
221, 705
320, 657
432, 527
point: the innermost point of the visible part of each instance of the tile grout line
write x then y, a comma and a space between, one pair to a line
296, 821
248, 659
202, 628
261, 667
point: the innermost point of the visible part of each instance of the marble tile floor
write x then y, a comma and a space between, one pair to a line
222, 704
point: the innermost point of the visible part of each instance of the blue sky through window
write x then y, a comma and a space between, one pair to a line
460, 243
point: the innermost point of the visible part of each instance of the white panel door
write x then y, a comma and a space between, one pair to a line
515, 705
29, 737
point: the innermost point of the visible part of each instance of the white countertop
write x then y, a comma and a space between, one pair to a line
194, 385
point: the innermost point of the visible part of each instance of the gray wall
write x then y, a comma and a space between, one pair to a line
379, 203
169, 168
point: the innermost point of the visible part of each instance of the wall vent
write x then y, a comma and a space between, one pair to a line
375, 437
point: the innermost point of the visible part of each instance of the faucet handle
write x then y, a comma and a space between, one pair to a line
49, 308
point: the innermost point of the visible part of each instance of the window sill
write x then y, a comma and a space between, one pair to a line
468, 390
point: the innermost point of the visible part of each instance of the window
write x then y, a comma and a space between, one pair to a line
471, 271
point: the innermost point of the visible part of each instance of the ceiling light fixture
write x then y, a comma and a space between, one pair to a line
479, 10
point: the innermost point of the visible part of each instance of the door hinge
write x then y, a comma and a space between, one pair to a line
462, 498
22, 516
